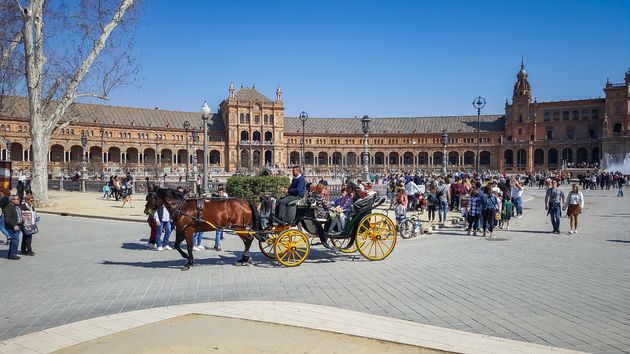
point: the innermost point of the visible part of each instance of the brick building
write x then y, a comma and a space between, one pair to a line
250, 130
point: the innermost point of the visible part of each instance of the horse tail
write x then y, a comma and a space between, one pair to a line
255, 216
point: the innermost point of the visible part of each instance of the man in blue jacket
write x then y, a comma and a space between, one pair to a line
286, 213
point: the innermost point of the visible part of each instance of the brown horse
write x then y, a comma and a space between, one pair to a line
232, 214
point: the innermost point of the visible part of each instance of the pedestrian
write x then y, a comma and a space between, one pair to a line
474, 211
12, 223
574, 205
106, 190
554, 197
432, 203
442, 194
507, 212
127, 192
489, 211
620, 182
5, 200
517, 198
153, 230
218, 234
29, 225
163, 221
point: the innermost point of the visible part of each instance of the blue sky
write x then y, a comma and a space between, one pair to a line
382, 58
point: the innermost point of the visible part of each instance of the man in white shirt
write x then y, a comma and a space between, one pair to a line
517, 198
163, 219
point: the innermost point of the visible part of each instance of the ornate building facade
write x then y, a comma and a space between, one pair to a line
249, 131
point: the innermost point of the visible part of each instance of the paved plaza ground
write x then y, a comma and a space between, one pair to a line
569, 291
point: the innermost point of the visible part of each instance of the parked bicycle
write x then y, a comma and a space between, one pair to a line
408, 227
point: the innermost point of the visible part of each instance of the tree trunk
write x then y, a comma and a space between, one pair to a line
39, 184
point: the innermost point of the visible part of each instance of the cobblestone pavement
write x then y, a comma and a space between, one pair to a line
568, 291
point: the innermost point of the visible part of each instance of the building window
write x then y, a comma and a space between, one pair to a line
585, 114
520, 118
565, 115
575, 115
549, 134
248, 119
547, 116
256, 119
242, 119
570, 132
520, 131
595, 114
591, 132
556, 116
265, 119
271, 119
617, 128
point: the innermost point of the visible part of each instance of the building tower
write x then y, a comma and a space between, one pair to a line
519, 127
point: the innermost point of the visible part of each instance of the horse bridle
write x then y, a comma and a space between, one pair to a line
179, 205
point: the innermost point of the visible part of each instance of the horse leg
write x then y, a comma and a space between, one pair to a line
189, 243
179, 237
245, 258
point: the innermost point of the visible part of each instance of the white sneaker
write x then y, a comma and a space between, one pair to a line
160, 248
575, 231
507, 228
167, 247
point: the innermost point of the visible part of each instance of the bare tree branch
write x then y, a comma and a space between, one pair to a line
94, 95
6, 54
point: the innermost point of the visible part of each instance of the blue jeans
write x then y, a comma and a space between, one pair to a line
14, 238
554, 213
518, 204
166, 226
620, 191
197, 237
3, 229
217, 238
442, 208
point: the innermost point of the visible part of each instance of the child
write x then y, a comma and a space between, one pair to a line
507, 213
106, 191
400, 206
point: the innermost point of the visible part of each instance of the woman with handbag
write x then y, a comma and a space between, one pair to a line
574, 203
29, 226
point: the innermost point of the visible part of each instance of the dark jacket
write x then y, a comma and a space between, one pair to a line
297, 187
10, 216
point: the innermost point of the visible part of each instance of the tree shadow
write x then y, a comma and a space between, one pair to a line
619, 241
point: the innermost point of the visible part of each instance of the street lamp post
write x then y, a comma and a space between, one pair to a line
186, 127
303, 118
444, 138
84, 142
102, 131
9, 143
205, 114
195, 138
365, 122
157, 175
478, 103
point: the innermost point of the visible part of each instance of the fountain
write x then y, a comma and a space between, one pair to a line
616, 163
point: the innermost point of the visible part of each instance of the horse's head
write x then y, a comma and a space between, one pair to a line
153, 201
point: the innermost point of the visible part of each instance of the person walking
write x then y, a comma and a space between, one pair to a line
163, 220
474, 212
574, 205
5, 200
443, 196
218, 234
12, 222
29, 225
554, 197
507, 212
432, 203
489, 211
517, 197
620, 182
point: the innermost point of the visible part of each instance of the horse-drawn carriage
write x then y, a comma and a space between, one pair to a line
372, 234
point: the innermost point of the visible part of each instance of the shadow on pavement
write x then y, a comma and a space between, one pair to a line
619, 241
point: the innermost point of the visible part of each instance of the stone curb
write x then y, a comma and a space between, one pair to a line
286, 313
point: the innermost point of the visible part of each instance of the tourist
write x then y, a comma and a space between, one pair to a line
163, 220
507, 211
474, 211
620, 182
574, 205
218, 234
286, 212
443, 196
127, 192
432, 203
106, 190
517, 198
4, 201
153, 229
29, 225
12, 223
554, 197
410, 190
490, 207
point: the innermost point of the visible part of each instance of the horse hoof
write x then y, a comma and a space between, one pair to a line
186, 267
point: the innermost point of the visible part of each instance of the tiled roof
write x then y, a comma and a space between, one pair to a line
403, 125
246, 94
120, 116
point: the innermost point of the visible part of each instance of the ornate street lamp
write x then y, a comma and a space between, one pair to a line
9, 143
365, 124
84, 142
195, 139
303, 118
444, 139
205, 115
186, 127
478, 103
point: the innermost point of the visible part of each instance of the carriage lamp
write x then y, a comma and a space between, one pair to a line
205, 115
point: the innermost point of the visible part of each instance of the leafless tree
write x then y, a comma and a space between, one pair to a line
69, 49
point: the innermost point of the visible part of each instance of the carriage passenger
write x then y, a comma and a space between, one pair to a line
340, 209
286, 212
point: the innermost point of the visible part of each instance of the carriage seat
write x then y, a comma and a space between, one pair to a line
300, 203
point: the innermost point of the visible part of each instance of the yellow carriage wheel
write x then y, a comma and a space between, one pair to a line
352, 248
376, 237
267, 246
291, 248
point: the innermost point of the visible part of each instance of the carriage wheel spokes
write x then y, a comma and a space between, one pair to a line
267, 246
291, 248
376, 237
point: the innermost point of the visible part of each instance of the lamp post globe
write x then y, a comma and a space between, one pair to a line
303, 118
478, 103
205, 115
365, 126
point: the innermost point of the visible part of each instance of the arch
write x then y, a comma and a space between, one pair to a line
336, 158
322, 158
394, 158
565, 115
595, 155
567, 155
166, 156
423, 158
521, 158
76, 153
268, 157
113, 154
379, 158
408, 158
17, 153
595, 114
96, 154
539, 157
581, 155
268, 136
198, 156
453, 158
256, 159
214, 157
244, 135
351, 159
294, 158
585, 114
617, 128
508, 157
309, 158
575, 115
244, 158
132, 155
56, 153
256, 135
485, 158
469, 158
182, 156
438, 158
552, 157
149, 155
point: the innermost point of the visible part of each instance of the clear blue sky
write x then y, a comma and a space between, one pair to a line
382, 58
